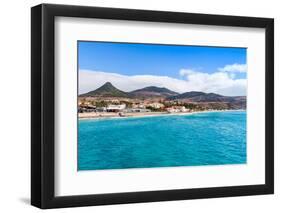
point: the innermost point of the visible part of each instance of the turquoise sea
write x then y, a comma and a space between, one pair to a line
213, 138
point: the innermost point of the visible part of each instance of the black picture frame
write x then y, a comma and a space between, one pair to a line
43, 110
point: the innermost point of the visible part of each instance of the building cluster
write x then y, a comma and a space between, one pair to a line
87, 107
141, 106
173, 109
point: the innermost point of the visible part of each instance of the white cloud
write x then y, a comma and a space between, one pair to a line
234, 68
218, 82
184, 72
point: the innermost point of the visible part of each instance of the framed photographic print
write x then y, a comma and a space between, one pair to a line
140, 106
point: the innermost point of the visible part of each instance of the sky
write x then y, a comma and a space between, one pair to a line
130, 66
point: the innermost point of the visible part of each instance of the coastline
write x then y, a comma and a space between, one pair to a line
105, 116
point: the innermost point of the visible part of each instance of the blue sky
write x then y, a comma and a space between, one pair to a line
167, 60
209, 69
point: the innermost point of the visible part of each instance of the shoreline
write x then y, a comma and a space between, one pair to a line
107, 116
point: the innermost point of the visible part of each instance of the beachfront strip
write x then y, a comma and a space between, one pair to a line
122, 107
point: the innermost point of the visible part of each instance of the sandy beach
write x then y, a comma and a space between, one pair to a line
101, 115
98, 115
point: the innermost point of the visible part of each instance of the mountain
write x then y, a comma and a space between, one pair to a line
152, 91
238, 102
106, 90
233, 102
201, 97
187, 95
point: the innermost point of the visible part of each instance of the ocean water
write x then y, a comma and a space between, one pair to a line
213, 138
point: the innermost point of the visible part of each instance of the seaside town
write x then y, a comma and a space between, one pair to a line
108, 101
90, 107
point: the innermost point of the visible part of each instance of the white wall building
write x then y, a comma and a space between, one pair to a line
116, 108
156, 105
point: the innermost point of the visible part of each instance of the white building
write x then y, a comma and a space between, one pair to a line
177, 109
156, 105
171, 110
140, 106
116, 108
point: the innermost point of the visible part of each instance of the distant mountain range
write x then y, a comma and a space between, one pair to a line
205, 97
108, 90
